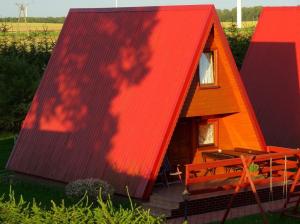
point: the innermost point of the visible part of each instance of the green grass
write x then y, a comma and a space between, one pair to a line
6, 144
41, 192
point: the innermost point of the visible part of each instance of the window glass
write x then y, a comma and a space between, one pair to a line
206, 134
206, 69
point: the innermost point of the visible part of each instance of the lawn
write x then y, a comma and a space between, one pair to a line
41, 192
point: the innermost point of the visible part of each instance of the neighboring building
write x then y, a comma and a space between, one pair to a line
271, 74
124, 88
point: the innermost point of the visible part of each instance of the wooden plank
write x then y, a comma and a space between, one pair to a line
277, 168
282, 161
215, 164
249, 151
277, 155
297, 175
202, 179
237, 161
281, 149
187, 175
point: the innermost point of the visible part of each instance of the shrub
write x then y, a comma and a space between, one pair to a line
18, 81
22, 63
90, 187
239, 40
13, 211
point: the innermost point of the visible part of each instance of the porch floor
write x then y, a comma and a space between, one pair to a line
169, 201
234, 213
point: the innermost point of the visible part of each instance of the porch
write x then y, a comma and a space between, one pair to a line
223, 181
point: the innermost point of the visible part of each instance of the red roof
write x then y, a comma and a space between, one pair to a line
112, 93
271, 73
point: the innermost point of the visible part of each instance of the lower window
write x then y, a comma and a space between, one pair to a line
207, 133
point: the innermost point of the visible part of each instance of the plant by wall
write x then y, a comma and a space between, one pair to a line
91, 187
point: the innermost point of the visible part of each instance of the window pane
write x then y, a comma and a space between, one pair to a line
206, 134
206, 71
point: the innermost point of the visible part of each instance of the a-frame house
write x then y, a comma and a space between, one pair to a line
123, 90
271, 74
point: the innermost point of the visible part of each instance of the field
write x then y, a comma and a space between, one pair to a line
33, 27
36, 27
246, 24
25, 27
25, 31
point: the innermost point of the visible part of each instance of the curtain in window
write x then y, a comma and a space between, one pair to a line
206, 68
206, 134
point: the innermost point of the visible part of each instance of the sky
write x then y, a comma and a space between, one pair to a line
44, 8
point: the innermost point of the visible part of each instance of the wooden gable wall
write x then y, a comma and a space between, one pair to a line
237, 127
220, 99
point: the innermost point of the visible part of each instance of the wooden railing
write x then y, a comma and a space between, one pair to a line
284, 161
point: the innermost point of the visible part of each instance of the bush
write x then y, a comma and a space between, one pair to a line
14, 211
18, 82
239, 40
90, 187
22, 63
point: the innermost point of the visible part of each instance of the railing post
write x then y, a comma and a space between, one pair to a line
185, 193
187, 174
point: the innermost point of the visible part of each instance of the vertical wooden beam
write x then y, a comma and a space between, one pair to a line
248, 175
297, 175
194, 140
292, 189
237, 189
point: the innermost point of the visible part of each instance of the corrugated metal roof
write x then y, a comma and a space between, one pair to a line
271, 73
112, 93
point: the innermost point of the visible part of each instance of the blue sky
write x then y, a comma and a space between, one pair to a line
61, 7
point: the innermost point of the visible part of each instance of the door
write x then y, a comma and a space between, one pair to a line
180, 150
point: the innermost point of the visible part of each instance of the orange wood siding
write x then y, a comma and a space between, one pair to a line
215, 100
239, 129
210, 101
226, 101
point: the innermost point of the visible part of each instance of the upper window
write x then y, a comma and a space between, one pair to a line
207, 134
206, 69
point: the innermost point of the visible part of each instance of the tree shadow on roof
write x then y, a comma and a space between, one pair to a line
72, 120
